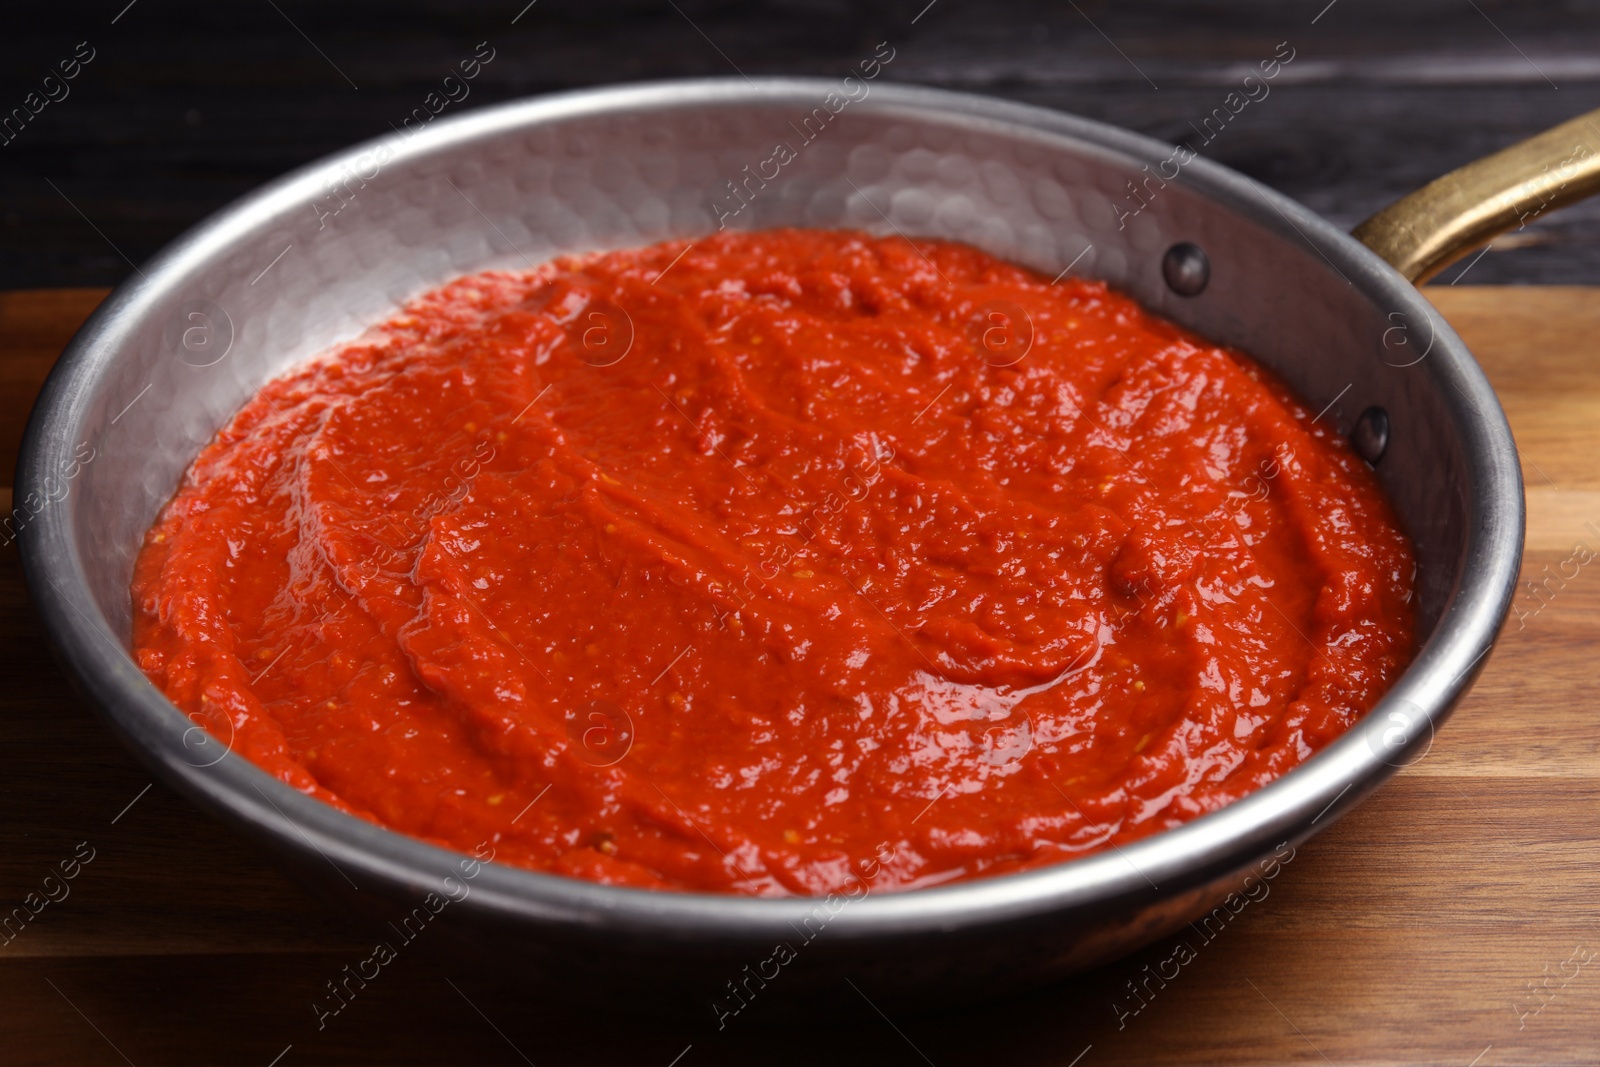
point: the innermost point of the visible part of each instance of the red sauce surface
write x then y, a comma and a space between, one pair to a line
749, 566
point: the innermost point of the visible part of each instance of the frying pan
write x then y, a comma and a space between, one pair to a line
315, 257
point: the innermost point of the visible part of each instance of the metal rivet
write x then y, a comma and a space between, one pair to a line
1186, 269
1371, 434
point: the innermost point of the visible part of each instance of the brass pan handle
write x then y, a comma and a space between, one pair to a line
1425, 232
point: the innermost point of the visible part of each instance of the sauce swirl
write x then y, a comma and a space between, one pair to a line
737, 565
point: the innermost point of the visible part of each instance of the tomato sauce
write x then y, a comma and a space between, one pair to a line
742, 565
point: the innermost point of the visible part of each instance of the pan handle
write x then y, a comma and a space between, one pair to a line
1421, 234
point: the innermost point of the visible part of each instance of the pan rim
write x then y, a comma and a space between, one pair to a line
1187, 856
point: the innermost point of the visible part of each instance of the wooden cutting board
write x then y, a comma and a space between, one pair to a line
1453, 919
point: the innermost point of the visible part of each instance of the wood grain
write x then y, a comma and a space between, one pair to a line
1410, 933
190, 104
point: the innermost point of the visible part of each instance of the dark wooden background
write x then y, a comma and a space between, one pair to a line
187, 105
1388, 943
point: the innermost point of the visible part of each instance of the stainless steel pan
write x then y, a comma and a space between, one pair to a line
317, 256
